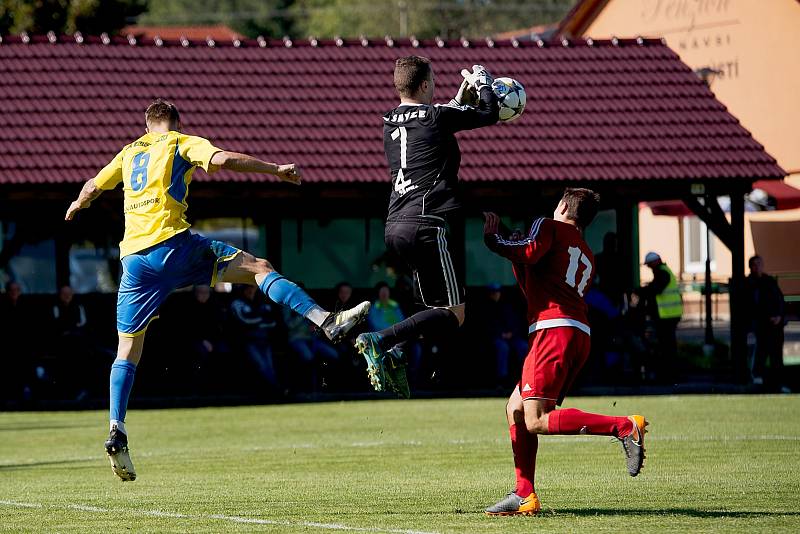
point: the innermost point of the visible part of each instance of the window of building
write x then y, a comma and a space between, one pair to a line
322, 253
241, 233
695, 241
34, 267
93, 268
484, 267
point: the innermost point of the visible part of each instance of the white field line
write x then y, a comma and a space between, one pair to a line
217, 517
498, 441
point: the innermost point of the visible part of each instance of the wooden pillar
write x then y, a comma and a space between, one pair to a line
737, 296
272, 226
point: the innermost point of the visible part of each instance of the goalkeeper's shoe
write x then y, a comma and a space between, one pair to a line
633, 444
338, 324
118, 454
368, 345
395, 372
513, 504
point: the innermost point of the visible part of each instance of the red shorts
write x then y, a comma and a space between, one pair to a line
553, 362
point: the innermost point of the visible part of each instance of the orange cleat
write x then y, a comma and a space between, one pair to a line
513, 504
633, 444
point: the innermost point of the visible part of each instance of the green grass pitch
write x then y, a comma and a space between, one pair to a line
714, 463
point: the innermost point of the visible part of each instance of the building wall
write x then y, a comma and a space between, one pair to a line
753, 44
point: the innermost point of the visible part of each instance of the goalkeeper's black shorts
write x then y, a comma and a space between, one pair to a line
421, 241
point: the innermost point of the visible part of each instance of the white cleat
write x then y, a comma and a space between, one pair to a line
338, 324
119, 456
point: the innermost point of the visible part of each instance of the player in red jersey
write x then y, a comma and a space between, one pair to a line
553, 266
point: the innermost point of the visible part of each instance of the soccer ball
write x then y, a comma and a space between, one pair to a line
511, 97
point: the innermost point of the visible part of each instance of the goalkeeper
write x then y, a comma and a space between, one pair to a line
424, 158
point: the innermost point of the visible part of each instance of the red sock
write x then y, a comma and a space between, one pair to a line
572, 421
524, 445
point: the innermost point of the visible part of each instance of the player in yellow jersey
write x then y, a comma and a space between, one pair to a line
160, 254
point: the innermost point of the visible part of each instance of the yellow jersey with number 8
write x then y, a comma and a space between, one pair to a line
155, 171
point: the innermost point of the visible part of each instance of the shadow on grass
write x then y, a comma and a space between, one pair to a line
43, 426
687, 512
33, 465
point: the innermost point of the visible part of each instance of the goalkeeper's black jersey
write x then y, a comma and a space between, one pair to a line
423, 153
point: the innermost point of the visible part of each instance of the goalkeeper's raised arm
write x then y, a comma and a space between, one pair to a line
464, 112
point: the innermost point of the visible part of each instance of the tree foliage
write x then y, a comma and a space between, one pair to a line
67, 16
297, 18
423, 18
270, 18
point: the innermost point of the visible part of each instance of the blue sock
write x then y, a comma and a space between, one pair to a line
286, 292
122, 372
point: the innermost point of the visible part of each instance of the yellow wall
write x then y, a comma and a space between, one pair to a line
753, 43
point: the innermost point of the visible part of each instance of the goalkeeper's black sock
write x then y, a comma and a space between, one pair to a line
430, 323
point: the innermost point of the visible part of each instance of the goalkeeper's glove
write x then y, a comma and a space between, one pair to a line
466, 96
478, 78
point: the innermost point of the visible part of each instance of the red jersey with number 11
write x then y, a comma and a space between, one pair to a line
553, 266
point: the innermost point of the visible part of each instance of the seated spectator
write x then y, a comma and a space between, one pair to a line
254, 322
508, 333
312, 350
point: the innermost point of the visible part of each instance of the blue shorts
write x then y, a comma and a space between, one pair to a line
149, 275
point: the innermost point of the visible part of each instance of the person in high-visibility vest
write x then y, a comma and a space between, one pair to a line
665, 293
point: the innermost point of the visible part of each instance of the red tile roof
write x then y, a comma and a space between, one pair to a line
596, 111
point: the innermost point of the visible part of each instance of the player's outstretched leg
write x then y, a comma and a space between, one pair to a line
244, 268
121, 383
629, 430
335, 325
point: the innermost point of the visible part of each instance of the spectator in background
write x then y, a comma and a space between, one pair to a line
344, 292
311, 350
664, 304
69, 316
384, 311
610, 269
348, 356
767, 318
254, 320
507, 331
15, 365
73, 363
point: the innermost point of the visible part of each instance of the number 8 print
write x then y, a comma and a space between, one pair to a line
139, 171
